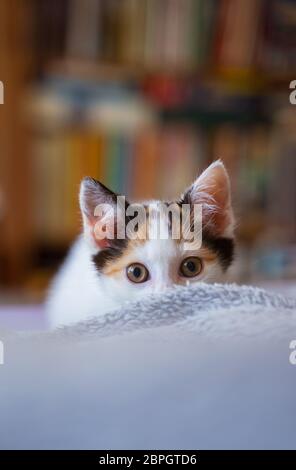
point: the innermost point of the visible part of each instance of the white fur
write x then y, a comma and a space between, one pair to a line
76, 293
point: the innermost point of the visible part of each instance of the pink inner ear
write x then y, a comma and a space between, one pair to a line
212, 189
90, 232
102, 243
220, 188
94, 194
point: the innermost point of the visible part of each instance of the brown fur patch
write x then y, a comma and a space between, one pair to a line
115, 266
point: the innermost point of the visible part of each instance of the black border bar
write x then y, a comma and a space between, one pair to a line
145, 458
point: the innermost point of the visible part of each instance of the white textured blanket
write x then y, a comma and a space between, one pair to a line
219, 308
209, 366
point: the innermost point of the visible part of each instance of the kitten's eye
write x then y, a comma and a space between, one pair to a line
191, 267
137, 272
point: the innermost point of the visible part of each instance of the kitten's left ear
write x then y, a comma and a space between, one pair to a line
94, 195
212, 190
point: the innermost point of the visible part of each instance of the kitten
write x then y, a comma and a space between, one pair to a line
102, 273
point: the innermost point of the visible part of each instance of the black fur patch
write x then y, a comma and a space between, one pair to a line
113, 252
116, 246
185, 199
222, 246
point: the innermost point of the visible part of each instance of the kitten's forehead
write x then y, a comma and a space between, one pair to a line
156, 250
156, 221
149, 246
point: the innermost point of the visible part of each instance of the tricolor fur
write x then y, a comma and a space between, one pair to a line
94, 278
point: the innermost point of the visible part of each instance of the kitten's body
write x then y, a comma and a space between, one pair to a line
94, 278
76, 292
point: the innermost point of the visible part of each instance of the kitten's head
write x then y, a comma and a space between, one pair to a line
132, 263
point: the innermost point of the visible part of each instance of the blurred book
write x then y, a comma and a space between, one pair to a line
143, 95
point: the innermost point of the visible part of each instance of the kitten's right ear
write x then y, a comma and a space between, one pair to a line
94, 195
212, 190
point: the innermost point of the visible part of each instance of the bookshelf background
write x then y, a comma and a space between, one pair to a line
143, 94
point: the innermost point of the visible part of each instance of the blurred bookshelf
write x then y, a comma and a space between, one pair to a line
143, 95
